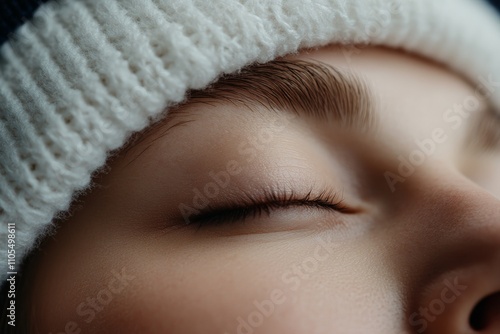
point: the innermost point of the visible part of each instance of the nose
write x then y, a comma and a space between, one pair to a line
452, 236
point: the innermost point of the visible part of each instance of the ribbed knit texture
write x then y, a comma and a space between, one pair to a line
85, 74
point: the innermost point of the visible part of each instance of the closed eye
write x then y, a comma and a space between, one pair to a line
252, 207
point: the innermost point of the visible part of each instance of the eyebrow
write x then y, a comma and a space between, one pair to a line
305, 88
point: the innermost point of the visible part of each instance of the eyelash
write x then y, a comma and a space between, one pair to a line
251, 206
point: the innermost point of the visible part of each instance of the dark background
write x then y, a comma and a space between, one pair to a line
496, 3
13, 13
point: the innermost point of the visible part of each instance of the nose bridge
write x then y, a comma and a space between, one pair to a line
461, 212
454, 232
451, 224
441, 220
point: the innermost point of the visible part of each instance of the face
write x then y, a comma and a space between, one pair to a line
366, 202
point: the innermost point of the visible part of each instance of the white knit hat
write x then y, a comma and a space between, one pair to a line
83, 75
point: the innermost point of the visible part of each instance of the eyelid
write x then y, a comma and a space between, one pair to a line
253, 206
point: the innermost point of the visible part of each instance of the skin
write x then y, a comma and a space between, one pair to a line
415, 258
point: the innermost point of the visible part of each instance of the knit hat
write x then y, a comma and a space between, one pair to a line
82, 75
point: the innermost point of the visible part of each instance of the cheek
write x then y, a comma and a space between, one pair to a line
185, 284
207, 289
73, 292
259, 289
